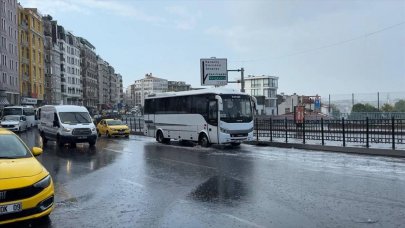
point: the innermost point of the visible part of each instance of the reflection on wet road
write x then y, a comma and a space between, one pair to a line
137, 182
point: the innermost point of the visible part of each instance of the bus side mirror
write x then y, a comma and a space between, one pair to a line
220, 104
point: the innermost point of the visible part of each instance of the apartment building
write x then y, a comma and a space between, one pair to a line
120, 92
53, 93
89, 73
71, 84
32, 65
149, 85
264, 88
103, 83
9, 77
176, 86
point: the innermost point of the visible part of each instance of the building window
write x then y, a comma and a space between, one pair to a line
255, 83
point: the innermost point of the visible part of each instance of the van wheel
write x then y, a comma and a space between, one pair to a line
44, 139
203, 140
59, 142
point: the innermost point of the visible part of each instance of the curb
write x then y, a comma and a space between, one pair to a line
339, 149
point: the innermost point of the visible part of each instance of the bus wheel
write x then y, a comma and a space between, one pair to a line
203, 140
159, 137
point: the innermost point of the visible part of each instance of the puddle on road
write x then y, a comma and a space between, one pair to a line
220, 189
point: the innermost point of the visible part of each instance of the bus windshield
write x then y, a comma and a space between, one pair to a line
74, 117
237, 108
12, 111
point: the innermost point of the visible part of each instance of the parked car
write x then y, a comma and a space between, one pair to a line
112, 127
15, 123
26, 188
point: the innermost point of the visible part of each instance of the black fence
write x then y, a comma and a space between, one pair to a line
134, 123
364, 132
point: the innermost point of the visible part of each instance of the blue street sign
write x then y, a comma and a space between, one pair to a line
317, 104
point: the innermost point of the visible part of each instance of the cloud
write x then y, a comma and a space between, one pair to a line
117, 8
184, 18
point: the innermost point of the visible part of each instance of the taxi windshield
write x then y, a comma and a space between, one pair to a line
11, 147
114, 122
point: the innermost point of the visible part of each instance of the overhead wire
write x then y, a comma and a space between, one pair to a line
324, 46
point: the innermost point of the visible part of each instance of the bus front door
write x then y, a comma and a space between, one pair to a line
213, 121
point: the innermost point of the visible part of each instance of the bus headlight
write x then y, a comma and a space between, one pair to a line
225, 130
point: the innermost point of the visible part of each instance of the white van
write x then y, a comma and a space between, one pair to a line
66, 124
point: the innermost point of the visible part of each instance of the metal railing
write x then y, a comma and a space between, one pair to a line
134, 123
324, 131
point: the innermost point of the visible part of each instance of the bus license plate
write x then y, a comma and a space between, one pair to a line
10, 208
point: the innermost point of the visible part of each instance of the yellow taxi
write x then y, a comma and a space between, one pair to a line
112, 127
26, 188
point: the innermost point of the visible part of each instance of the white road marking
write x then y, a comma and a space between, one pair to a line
243, 220
132, 183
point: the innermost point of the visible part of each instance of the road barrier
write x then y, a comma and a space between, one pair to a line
134, 123
360, 132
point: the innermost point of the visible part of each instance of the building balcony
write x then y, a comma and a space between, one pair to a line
25, 77
24, 26
24, 43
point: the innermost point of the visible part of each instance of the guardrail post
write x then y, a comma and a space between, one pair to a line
135, 123
367, 133
286, 132
303, 130
139, 122
130, 123
393, 132
322, 133
343, 132
257, 130
271, 130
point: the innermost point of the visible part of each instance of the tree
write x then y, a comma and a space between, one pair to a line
400, 106
364, 108
387, 108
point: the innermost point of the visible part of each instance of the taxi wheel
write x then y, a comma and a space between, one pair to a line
98, 133
108, 134
126, 136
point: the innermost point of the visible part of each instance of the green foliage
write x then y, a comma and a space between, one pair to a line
400, 106
387, 108
364, 108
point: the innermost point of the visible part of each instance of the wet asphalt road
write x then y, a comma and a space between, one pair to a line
137, 182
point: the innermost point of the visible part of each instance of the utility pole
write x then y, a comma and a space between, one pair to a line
242, 78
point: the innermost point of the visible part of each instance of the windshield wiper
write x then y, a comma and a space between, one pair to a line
3, 157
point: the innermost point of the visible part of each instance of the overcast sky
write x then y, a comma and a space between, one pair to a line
314, 47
